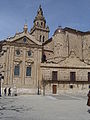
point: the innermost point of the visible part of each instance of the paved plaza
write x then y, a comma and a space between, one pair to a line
38, 107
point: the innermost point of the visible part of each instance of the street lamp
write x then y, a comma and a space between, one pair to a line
0, 86
43, 88
38, 89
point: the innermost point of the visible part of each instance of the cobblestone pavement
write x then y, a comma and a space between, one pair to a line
70, 96
37, 107
11, 109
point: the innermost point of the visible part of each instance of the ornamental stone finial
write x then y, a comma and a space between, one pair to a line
25, 28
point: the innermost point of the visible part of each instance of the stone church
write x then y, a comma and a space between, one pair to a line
31, 62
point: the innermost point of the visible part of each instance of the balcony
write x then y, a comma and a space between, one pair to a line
65, 82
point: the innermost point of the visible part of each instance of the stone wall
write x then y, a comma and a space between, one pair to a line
63, 74
65, 88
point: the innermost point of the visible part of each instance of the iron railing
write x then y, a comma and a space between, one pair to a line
65, 82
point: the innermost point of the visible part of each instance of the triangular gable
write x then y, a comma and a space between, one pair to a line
30, 39
24, 40
72, 61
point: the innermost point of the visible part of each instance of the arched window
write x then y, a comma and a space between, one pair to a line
37, 23
44, 58
43, 38
17, 70
41, 23
40, 38
28, 71
88, 76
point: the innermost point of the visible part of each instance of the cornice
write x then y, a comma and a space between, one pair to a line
39, 28
22, 45
71, 30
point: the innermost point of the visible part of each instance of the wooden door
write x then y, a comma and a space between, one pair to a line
54, 89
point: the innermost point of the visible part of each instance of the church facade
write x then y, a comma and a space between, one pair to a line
32, 62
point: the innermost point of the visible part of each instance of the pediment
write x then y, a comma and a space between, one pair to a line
72, 61
29, 62
24, 38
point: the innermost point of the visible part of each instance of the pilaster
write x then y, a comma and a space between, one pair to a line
23, 67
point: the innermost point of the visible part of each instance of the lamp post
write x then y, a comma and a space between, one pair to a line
43, 88
38, 89
0, 86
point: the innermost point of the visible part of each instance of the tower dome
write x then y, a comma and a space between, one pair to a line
59, 30
39, 15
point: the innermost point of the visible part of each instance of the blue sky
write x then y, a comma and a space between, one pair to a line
65, 13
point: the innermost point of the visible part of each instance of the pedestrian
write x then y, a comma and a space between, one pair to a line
5, 91
9, 92
88, 102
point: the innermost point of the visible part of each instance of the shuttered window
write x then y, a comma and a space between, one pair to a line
72, 76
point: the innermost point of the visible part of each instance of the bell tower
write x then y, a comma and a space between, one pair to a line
39, 29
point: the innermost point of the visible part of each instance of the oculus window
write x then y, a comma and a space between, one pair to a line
24, 40
28, 71
17, 52
17, 70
